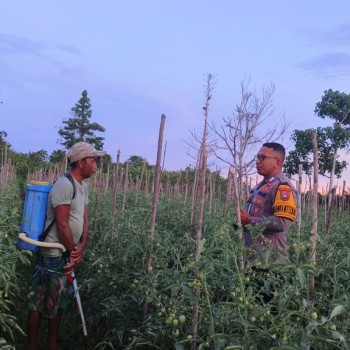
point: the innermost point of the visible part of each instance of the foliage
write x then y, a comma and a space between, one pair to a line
79, 128
10, 257
334, 105
57, 156
29, 162
329, 141
114, 284
3, 135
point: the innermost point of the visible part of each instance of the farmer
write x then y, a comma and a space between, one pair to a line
271, 206
50, 293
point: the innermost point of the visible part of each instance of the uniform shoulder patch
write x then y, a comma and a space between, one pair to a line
284, 205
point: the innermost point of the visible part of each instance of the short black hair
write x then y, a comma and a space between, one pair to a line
276, 147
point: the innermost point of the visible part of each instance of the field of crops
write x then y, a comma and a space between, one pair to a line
128, 308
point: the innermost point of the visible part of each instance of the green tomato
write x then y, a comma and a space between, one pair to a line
182, 318
314, 316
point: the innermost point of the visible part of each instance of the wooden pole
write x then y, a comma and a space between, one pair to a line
299, 200
155, 199
314, 209
115, 187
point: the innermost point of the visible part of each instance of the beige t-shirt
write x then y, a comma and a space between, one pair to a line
62, 193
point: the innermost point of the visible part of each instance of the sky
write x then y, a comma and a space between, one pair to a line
140, 59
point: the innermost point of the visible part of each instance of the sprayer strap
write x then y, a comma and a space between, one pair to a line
48, 228
43, 236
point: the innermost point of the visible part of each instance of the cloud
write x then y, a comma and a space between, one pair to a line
44, 59
333, 58
11, 45
338, 37
326, 65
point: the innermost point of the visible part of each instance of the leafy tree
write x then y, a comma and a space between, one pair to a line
328, 139
137, 165
137, 161
20, 161
79, 128
37, 160
57, 156
3, 135
334, 105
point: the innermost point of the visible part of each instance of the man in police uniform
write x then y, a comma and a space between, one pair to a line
271, 206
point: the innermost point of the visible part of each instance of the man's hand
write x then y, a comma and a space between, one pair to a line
77, 253
245, 217
69, 268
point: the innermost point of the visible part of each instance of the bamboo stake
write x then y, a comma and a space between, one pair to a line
98, 194
330, 211
194, 195
155, 199
228, 193
106, 178
211, 180
185, 193
157, 180
342, 202
115, 186
314, 209
126, 185
238, 212
299, 200
195, 310
202, 167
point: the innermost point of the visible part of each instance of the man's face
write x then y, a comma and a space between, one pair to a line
88, 166
268, 162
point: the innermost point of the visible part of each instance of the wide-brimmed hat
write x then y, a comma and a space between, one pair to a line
82, 150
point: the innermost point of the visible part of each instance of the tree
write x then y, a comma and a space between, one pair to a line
57, 156
4, 147
37, 160
334, 105
3, 135
239, 136
137, 161
79, 128
328, 139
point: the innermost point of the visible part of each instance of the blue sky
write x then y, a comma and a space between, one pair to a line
139, 59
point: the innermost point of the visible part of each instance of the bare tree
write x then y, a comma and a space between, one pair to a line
239, 136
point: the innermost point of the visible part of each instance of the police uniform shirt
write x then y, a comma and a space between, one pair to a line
272, 205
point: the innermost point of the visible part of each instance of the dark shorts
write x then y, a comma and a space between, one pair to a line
49, 290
